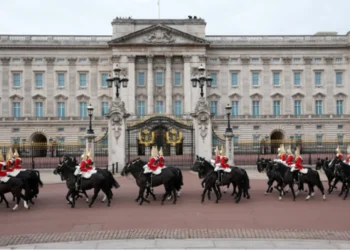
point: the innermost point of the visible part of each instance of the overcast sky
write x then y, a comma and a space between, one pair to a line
223, 17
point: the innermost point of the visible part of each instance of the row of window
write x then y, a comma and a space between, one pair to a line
275, 60
60, 60
277, 107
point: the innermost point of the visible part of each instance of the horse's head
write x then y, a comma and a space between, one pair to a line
202, 166
65, 165
319, 163
131, 166
261, 164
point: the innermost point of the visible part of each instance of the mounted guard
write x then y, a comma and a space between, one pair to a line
290, 157
13, 167
339, 154
83, 170
152, 166
222, 167
298, 167
89, 161
217, 159
161, 159
3, 174
17, 161
348, 156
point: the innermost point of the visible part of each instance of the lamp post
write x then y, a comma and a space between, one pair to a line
90, 111
118, 80
201, 80
229, 136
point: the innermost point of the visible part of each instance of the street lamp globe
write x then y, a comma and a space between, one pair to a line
90, 109
110, 81
194, 81
209, 80
125, 81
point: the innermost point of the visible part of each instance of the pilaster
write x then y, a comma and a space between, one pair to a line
246, 85
93, 83
150, 85
131, 85
309, 86
168, 86
27, 87
5, 86
72, 81
187, 85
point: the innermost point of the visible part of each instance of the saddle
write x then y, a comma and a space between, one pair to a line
4, 179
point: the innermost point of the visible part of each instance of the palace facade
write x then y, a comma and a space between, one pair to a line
280, 87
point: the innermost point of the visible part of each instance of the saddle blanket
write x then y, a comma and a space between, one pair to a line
4, 179
15, 172
218, 167
87, 175
303, 171
147, 170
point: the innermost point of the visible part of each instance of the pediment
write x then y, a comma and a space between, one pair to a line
235, 96
141, 96
214, 96
298, 95
158, 35
61, 97
16, 97
38, 97
277, 95
319, 95
177, 96
340, 95
256, 96
83, 97
105, 97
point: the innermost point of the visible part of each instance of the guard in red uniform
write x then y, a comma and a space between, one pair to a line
89, 161
290, 157
283, 156
2, 166
339, 154
222, 167
17, 161
152, 166
348, 156
83, 169
161, 159
217, 158
9, 161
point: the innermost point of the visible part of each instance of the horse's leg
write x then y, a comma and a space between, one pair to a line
336, 180
148, 191
269, 185
67, 197
347, 190
152, 194
234, 191
96, 191
309, 193
217, 192
227, 187
209, 194
292, 189
141, 192
239, 195
175, 195
86, 196
3, 198
18, 199
107, 193
321, 188
166, 194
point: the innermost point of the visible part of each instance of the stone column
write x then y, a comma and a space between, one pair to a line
50, 86
329, 107
187, 85
246, 86
90, 145
287, 104
71, 86
168, 86
229, 147
308, 86
131, 85
93, 84
5, 86
116, 133
27, 86
203, 129
266, 87
150, 86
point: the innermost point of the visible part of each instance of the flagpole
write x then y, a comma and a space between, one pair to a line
158, 9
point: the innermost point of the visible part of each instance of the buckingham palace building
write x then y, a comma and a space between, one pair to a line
280, 87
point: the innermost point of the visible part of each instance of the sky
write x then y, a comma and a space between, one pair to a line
223, 17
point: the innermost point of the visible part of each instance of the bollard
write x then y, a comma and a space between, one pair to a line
310, 159
116, 167
107, 167
33, 164
112, 168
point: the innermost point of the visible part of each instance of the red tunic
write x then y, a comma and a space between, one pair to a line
348, 159
298, 162
283, 157
340, 156
17, 164
223, 163
83, 166
2, 166
9, 167
290, 160
89, 164
217, 159
3, 173
152, 163
161, 162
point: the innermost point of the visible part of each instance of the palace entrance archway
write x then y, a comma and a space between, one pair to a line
276, 139
39, 147
176, 138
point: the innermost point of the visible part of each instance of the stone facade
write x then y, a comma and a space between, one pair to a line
261, 74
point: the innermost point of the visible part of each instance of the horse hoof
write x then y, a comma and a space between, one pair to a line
248, 197
265, 193
308, 197
89, 206
108, 205
280, 198
324, 197
312, 194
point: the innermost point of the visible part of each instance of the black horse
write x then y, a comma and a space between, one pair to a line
238, 177
97, 181
334, 163
170, 177
328, 167
267, 166
343, 172
14, 186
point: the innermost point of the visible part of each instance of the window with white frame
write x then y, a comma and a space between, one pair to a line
297, 107
141, 78
297, 78
104, 77
277, 107
298, 137
340, 126
61, 109
235, 140
39, 109
104, 108
255, 79
276, 78
235, 108
16, 106
39, 80
234, 79
340, 140
82, 80
177, 79
159, 107
319, 139
319, 105
340, 104
297, 59
256, 108
318, 78
276, 60
178, 108
16, 80
214, 108
255, 141
159, 78
338, 59
214, 77
339, 78
255, 60
83, 109
317, 59
141, 108
82, 140
60, 80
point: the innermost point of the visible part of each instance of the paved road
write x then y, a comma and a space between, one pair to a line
52, 220
193, 244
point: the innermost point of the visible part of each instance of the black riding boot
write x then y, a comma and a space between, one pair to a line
78, 183
300, 180
218, 181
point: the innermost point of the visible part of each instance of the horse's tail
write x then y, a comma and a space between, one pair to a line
114, 182
41, 184
320, 184
246, 179
180, 177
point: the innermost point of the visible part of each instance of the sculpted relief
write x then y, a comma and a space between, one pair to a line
116, 122
159, 36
